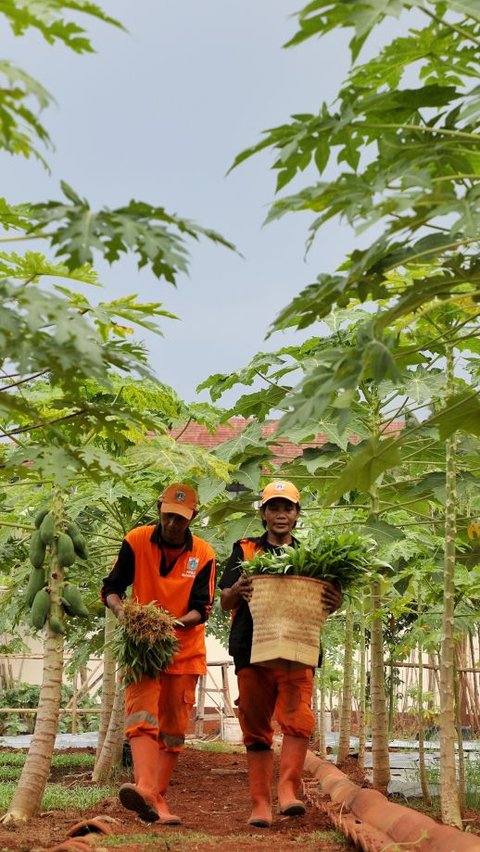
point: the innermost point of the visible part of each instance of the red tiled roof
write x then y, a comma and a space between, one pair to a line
199, 435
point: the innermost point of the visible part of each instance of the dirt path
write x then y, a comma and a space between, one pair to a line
209, 791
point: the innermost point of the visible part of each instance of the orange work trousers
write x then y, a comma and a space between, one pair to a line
265, 692
160, 708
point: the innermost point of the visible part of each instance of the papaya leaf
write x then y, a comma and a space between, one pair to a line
461, 413
21, 99
155, 236
381, 531
47, 16
368, 461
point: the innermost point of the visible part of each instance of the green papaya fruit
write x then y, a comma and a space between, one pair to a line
47, 529
39, 517
65, 550
40, 609
79, 543
74, 601
56, 625
37, 550
67, 606
35, 583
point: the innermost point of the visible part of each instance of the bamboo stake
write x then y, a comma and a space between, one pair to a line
363, 691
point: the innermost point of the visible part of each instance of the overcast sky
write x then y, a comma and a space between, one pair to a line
158, 114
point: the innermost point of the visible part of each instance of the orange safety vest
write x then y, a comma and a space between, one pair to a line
173, 592
249, 549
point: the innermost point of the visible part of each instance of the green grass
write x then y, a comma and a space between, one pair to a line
58, 798
10, 773
337, 836
472, 781
12, 758
15, 758
175, 842
11, 763
216, 746
74, 759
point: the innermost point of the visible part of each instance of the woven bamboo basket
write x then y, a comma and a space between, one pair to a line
288, 615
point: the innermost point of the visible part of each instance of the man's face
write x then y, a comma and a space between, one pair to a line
279, 515
173, 528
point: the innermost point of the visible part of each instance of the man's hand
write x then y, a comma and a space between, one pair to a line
243, 587
332, 597
115, 603
190, 619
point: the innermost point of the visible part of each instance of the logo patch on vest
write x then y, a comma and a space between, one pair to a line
191, 567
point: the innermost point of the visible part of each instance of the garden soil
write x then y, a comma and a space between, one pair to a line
209, 791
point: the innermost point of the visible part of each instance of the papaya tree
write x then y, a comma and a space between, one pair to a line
55, 336
397, 460
104, 507
51, 330
403, 131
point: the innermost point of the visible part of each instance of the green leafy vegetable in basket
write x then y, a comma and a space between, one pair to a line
342, 558
144, 642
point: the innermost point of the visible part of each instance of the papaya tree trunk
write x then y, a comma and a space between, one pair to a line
106, 762
380, 756
362, 692
450, 805
346, 708
378, 706
461, 753
31, 786
108, 682
119, 739
27, 798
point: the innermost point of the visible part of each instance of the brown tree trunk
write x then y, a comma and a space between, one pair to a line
461, 754
450, 805
31, 786
28, 795
108, 683
109, 754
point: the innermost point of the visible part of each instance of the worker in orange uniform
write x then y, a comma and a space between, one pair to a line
263, 691
164, 563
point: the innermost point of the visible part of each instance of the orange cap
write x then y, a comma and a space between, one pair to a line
180, 499
280, 488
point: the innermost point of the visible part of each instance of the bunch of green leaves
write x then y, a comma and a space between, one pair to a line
341, 558
22, 97
144, 642
156, 237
